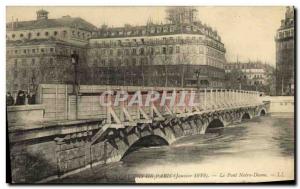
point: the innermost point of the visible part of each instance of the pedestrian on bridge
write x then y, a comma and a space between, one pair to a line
20, 98
9, 99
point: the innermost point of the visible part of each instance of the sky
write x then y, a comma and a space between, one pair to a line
247, 32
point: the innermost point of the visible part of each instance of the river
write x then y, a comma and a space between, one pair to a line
258, 150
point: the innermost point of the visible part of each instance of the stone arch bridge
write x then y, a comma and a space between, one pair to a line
58, 147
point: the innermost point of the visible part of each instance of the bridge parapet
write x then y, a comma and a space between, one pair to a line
69, 140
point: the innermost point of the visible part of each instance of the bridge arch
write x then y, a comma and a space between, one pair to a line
262, 112
144, 142
245, 116
214, 126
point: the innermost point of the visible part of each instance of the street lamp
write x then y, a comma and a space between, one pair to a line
197, 72
240, 78
75, 61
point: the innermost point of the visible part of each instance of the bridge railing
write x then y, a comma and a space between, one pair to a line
63, 104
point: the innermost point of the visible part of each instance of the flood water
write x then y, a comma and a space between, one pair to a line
258, 150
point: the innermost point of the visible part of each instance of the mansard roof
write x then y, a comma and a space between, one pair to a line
146, 30
66, 21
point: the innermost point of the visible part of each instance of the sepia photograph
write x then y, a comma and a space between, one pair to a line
150, 94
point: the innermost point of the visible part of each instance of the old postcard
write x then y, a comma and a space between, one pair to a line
175, 94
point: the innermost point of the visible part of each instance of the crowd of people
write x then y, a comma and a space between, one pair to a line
22, 98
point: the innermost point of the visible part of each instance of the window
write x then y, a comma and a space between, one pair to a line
24, 51
141, 51
134, 51
29, 35
33, 50
119, 52
51, 60
152, 51
42, 50
51, 49
201, 50
13, 35
21, 35
177, 49
37, 34
33, 61
55, 33
111, 52
171, 50
104, 51
46, 33
64, 33
133, 61
16, 51
103, 62
164, 49
16, 62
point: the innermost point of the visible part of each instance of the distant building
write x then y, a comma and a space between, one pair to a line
182, 52
285, 61
254, 74
38, 51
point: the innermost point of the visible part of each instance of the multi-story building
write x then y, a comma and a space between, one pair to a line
285, 61
38, 51
252, 75
182, 52
254, 72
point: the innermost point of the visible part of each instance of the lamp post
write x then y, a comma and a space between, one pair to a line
240, 82
75, 61
197, 72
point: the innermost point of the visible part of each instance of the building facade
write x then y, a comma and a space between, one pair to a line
39, 51
182, 52
252, 75
285, 53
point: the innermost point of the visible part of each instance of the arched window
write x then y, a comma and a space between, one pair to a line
46, 33
21, 35
55, 33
